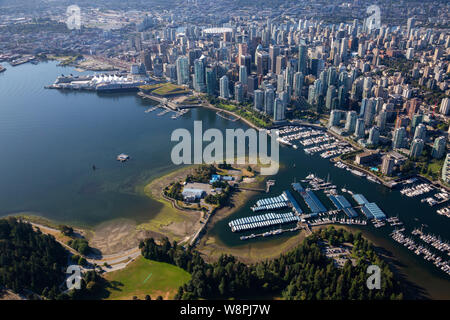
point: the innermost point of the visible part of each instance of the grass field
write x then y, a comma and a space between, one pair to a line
143, 277
163, 89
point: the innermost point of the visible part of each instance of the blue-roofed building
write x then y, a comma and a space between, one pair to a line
341, 203
367, 212
310, 198
293, 202
360, 199
335, 202
375, 211
344, 202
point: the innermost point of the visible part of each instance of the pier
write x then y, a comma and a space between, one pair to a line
271, 233
269, 183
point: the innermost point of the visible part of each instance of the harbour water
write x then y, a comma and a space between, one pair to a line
50, 141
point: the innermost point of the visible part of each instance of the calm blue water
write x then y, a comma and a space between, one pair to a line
50, 139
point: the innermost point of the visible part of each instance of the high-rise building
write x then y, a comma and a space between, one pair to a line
146, 59
350, 122
331, 94
239, 92
420, 132
278, 112
224, 88
388, 165
280, 64
210, 82
182, 70
445, 106
269, 99
416, 148
258, 100
302, 52
398, 138
274, 52
298, 83
311, 95
381, 120
369, 111
416, 120
171, 72
439, 147
335, 118
374, 136
410, 25
262, 63
360, 128
446, 169
199, 75
243, 78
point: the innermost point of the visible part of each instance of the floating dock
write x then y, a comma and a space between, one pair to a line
261, 221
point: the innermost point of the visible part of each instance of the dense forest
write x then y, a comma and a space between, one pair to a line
303, 273
30, 261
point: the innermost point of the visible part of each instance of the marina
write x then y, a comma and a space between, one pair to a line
316, 141
444, 212
417, 190
420, 250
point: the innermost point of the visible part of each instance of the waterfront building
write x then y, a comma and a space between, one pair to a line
269, 99
279, 110
335, 118
182, 70
387, 165
224, 88
239, 92
439, 147
258, 100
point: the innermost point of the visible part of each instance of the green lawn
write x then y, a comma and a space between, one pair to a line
142, 277
163, 89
